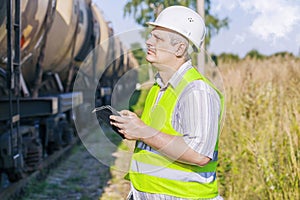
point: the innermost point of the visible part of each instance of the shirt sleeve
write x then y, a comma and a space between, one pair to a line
196, 116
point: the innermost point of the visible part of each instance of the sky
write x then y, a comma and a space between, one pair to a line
268, 26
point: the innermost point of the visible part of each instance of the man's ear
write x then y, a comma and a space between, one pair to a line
180, 49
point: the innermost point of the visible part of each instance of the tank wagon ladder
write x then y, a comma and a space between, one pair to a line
13, 82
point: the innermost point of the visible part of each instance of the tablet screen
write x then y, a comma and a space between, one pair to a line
103, 114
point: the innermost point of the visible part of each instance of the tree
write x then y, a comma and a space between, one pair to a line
147, 10
254, 54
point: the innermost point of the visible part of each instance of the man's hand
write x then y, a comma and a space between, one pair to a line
130, 125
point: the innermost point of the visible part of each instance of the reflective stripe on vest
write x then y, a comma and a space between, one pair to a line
172, 174
153, 172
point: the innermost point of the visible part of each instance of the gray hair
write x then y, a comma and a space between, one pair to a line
176, 38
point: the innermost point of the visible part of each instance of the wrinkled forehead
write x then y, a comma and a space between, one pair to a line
168, 33
162, 30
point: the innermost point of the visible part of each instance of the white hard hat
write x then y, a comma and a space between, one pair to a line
184, 21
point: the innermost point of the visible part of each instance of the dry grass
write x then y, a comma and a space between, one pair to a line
259, 146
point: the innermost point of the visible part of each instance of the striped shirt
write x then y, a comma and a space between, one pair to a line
196, 117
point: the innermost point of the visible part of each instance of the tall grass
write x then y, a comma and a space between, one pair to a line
259, 144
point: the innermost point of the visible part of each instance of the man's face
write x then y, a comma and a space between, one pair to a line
159, 49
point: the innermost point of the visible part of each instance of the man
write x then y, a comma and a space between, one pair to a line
177, 136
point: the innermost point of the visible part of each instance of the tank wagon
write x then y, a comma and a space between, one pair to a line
44, 45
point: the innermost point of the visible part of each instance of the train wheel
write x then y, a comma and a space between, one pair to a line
32, 148
34, 156
68, 135
63, 136
17, 172
16, 175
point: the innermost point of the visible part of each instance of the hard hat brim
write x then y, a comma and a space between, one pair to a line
162, 25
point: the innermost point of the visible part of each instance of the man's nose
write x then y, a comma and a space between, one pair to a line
149, 41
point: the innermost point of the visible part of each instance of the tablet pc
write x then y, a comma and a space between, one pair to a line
103, 114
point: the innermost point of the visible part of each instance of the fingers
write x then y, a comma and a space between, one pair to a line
125, 116
117, 119
118, 125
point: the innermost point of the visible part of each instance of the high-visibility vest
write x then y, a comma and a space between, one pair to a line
152, 172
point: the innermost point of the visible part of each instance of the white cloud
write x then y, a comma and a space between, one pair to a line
239, 39
273, 19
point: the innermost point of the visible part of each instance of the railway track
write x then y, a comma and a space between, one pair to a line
14, 190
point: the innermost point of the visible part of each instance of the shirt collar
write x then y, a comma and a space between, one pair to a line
177, 76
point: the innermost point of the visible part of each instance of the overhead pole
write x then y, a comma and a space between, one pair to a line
201, 55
